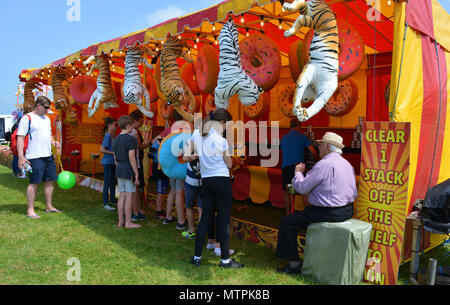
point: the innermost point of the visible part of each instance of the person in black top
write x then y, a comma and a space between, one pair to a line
124, 148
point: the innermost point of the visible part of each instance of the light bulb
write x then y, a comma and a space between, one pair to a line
214, 27
248, 34
197, 40
389, 3
242, 19
195, 46
179, 36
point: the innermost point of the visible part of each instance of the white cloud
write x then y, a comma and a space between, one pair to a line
164, 14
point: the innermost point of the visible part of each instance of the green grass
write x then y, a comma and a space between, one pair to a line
35, 251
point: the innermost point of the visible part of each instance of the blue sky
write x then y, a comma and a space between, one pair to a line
35, 33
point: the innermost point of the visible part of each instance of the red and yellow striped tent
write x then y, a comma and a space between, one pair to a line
419, 89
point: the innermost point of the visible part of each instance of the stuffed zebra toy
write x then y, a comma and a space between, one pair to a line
60, 81
28, 95
173, 87
133, 89
320, 75
104, 94
232, 79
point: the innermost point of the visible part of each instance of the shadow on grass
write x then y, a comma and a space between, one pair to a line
157, 244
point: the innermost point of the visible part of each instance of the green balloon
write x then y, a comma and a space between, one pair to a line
66, 180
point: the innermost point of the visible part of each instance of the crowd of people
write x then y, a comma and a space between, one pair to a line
329, 186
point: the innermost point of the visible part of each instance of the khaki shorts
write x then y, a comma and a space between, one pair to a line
176, 184
126, 185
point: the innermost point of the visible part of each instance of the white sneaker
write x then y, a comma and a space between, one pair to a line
22, 176
218, 252
211, 246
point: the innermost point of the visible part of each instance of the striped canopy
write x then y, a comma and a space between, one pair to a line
376, 35
420, 87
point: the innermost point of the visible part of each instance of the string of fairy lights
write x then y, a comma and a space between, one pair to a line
248, 22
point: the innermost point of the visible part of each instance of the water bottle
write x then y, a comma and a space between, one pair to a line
27, 168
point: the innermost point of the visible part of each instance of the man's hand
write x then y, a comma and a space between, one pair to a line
56, 144
22, 161
300, 167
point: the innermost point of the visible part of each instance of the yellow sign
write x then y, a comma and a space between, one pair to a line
382, 199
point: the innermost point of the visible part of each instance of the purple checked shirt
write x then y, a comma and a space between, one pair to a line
330, 183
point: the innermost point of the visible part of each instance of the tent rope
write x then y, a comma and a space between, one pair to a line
439, 115
374, 72
399, 74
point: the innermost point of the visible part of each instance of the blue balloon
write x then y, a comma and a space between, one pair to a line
169, 150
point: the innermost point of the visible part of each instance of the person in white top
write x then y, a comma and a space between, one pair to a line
38, 154
216, 191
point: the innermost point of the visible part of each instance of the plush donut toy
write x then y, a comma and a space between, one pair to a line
351, 48
297, 59
286, 101
82, 88
343, 99
169, 150
258, 109
188, 75
209, 104
207, 68
261, 60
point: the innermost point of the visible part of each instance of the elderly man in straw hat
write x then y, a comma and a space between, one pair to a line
331, 189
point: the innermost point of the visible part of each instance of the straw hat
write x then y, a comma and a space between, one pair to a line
332, 138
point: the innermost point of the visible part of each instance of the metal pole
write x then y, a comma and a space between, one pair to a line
415, 251
432, 264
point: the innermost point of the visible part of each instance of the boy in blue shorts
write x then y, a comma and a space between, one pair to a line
192, 193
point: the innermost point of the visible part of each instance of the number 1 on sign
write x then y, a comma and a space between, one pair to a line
383, 156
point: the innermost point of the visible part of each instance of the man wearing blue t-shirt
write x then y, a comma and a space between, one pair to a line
293, 145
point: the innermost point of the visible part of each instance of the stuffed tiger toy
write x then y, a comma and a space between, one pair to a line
104, 94
320, 74
61, 77
232, 79
28, 95
133, 89
174, 89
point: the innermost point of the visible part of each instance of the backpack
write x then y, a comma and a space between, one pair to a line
13, 144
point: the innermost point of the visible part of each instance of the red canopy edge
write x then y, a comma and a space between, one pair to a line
345, 10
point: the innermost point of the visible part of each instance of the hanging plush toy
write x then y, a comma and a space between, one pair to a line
133, 89
28, 97
60, 80
232, 78
104, 94
174, 89
321, 72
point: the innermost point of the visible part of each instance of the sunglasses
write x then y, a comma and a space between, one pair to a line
46, 107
